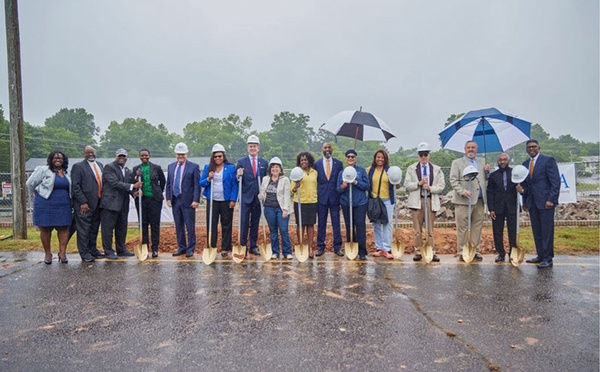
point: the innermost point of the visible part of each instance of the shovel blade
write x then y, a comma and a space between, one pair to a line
397, 250
468, 252
264, 252
209, 255
427, 251
302, 252
518, 256
238, 254
352, 250
141, 252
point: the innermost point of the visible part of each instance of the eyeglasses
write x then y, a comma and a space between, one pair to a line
217, 156
122, 156
423, 154
350, 157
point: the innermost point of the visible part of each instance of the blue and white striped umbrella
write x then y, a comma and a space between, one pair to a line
359, 125
492, 130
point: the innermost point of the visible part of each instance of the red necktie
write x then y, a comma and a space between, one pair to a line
254, 166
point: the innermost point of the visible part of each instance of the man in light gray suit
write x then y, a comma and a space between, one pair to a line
462, 194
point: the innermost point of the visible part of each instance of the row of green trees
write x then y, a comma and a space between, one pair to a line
70, 130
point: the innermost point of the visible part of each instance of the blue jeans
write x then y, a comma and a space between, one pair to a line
383, 232
274, 217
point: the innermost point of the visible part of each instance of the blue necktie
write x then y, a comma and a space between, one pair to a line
176, 190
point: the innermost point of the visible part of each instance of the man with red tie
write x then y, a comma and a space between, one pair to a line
251, 169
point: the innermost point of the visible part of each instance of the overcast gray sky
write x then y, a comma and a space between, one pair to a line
412, 63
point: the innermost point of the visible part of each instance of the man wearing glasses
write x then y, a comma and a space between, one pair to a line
117, 184
540, 196
423, 180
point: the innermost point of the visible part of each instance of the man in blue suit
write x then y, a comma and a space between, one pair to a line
540, 196
251, 168
328, 199
183, 194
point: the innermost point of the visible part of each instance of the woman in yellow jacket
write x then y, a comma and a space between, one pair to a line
308, 198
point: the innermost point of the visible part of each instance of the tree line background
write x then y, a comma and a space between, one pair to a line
70, 130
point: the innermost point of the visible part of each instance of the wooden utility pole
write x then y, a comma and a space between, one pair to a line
17, 140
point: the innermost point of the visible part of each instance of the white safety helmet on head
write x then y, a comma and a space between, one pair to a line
423, 146
276, 160
296, 174
218, 148
349, 174
395, 175
253, 139
519, 174
470, 173
181, 148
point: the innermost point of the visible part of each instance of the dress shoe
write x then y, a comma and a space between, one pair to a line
477, 257
48, 262
389, 255
64, 259
417, 257
544, 264
500, 258
435, 258
154, 254
534, 260
320, 252
88, 258
175, 254
254, 251
339, 252
98, 255
225, 254
112, 256
460, 258
362, 257
126, 254
190, 254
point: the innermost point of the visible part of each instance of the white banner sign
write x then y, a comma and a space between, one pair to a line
568, 187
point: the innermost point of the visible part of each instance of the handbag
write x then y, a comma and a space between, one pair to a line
376, 210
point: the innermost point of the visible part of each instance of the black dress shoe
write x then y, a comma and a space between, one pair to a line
154, 254
254, 251
48, 262
320, 252
534, 260
435, 258
500, 258
189, 254
126, 254
339, 252
175, 254
460, 258
112, 256
98, 255
544, 264
477, 257
362, 257
417, 257
88, 258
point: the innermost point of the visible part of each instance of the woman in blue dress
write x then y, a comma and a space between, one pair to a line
52, 204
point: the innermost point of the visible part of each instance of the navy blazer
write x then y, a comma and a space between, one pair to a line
230, 184
251, 184
359, 191
544, 185
190, 183
327, 189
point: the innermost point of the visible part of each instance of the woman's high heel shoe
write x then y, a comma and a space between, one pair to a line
48, 262
63, 260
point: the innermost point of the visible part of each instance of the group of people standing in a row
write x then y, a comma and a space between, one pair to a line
99, 196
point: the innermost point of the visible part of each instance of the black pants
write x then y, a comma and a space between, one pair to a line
220, 208
359, 230
250, 218
87, 226
151, 209
498, 228
117, 221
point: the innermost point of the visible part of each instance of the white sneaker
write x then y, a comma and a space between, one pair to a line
289, 256
275, 256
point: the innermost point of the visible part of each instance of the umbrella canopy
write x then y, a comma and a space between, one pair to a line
491, 129
358, 125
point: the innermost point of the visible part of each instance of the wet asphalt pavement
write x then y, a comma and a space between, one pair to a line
327, 314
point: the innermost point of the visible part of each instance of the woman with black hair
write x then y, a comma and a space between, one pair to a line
308, 198
52, 204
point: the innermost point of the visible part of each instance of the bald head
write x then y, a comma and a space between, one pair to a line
89, 153
503, 160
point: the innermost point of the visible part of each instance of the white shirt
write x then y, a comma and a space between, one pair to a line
217, 184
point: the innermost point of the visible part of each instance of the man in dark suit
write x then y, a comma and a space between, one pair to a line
86, 190
328, 199
117, 184
540, 196
183, 195
152, 197
502, 204
251, 168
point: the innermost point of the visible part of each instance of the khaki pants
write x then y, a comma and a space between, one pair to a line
462, 215
418, 219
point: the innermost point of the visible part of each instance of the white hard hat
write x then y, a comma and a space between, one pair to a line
181, 148
296, 174
349, 174
253, 139
218, 148
423, 146
395, 175
519, 174
470, 173
275, 160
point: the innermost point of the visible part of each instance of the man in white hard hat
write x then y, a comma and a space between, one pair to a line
183, 195
462, 194
502, 204
251, 169
328, 199
423, 180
